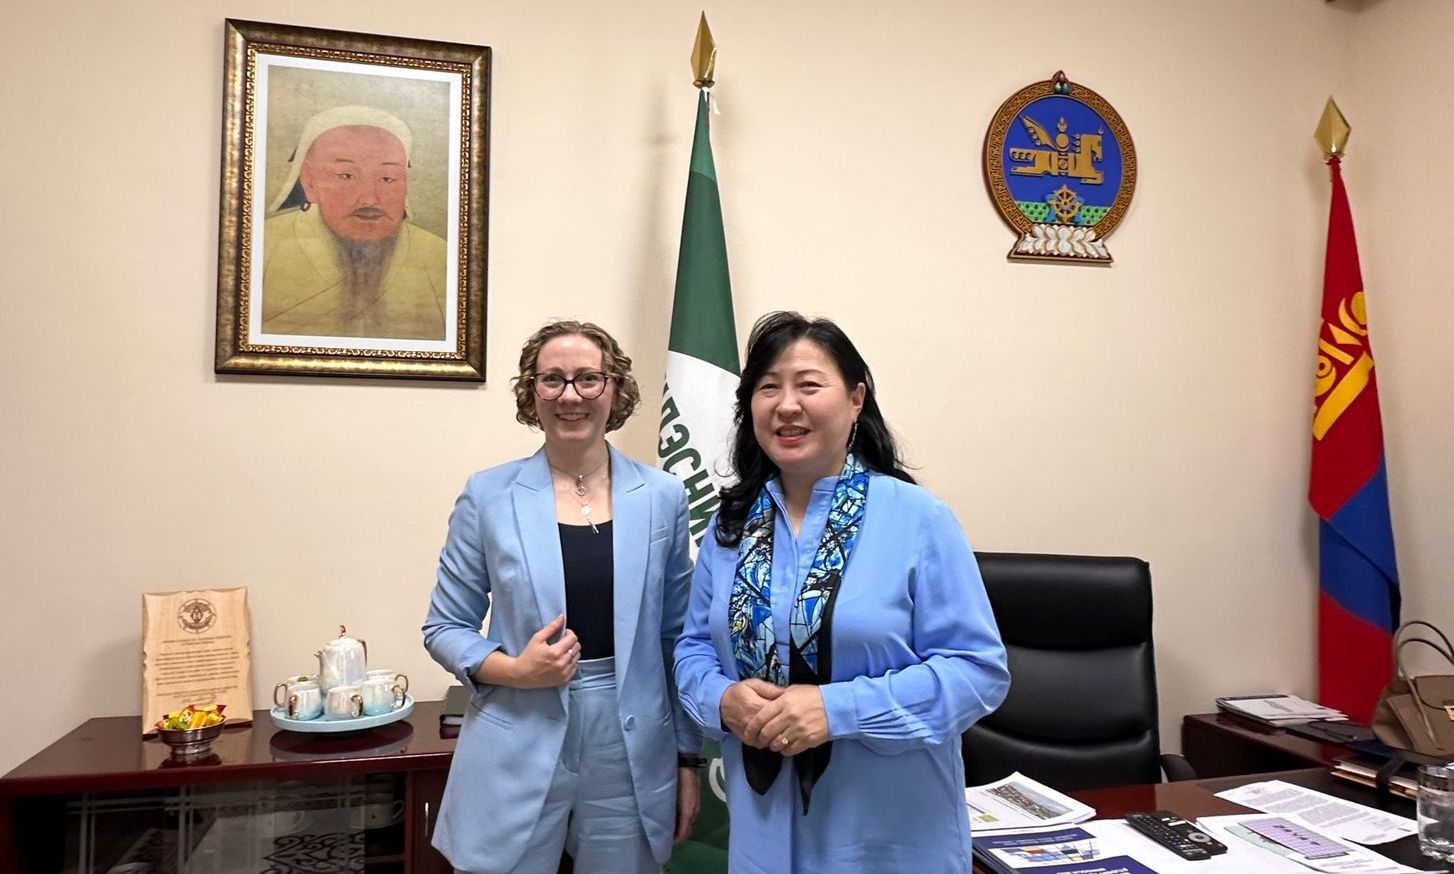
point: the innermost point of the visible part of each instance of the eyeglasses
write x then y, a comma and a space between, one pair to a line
589, 385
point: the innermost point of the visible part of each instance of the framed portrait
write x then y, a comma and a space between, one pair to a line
354, 205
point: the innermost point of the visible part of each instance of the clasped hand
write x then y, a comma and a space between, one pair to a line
543, 664
785, 720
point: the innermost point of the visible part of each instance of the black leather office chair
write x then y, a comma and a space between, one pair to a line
1081, 710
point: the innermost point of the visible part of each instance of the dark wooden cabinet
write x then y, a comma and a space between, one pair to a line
103, 799
1225, 745
427, 788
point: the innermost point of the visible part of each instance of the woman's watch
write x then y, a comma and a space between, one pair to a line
689, 760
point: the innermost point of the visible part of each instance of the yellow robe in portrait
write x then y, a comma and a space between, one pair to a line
303, 289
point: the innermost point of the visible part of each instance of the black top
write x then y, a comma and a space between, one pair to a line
589, 584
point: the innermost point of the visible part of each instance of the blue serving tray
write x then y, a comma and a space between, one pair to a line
324, 725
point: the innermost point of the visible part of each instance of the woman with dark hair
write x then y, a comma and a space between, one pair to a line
573, 738
838, 640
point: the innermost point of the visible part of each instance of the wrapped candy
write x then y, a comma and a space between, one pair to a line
192, 716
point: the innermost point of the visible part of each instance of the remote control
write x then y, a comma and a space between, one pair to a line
1176, 834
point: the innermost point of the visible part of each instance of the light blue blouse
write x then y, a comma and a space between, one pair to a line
917, 659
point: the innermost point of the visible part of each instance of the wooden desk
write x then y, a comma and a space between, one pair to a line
1196, 798
1223, 745
107, 757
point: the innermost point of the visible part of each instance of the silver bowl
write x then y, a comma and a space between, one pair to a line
190, 743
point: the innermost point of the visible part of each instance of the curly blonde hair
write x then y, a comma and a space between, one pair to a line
615, 363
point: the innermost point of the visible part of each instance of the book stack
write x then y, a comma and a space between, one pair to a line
1402, 784
1279, 710
451, 714
1366, 758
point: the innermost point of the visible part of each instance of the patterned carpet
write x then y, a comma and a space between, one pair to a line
316, 854
328, 853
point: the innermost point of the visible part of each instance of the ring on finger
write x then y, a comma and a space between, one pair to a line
782, 740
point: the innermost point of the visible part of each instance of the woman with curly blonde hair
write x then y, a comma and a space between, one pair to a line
574, 739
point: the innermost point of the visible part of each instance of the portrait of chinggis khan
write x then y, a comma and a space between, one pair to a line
353, 238
353, 215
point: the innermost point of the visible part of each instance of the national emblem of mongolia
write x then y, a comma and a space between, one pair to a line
1061, 170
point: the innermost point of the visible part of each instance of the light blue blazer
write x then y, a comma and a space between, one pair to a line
504, 548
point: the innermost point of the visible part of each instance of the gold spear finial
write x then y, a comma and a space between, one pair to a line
704, 55
1333, 130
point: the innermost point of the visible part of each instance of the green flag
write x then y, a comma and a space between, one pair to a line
696, 421
701, 359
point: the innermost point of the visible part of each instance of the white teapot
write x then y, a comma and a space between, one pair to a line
343, 661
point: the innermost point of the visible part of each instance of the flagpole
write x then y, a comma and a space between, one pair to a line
1359, 598
702, 362
694, 441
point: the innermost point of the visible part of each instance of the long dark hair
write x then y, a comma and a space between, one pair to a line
873, 444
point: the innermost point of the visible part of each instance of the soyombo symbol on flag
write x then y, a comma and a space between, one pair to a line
1348, 488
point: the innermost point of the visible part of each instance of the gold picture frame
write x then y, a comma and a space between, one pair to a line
354, 205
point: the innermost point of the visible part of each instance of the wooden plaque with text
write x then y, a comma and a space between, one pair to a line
195, 649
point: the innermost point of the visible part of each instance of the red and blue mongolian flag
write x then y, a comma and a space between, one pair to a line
1358, 603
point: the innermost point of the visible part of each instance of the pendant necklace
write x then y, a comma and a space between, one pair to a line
583, 492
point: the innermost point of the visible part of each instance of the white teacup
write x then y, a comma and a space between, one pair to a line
343, 702
280, 691
308, 705
381, 695
285, 822
301, 701
393, 676
377, 811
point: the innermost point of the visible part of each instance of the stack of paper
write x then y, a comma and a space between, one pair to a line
1278, 841
1019, 802
1338, 817
1279, 709
1113, 847
1065, 850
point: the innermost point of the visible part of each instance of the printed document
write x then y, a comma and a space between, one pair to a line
1110, 846
1067, 850
1333, 816
1279, 708
1309, 848
1019, 802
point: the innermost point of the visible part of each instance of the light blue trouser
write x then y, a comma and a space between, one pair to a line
590, 809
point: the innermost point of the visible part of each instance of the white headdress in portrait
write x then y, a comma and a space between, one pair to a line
328, 119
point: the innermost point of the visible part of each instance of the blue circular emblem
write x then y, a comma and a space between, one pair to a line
1061, 170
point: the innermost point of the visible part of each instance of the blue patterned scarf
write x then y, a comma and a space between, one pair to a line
749, 614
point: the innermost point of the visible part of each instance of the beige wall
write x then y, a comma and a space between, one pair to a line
1157, 408
1400, 47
